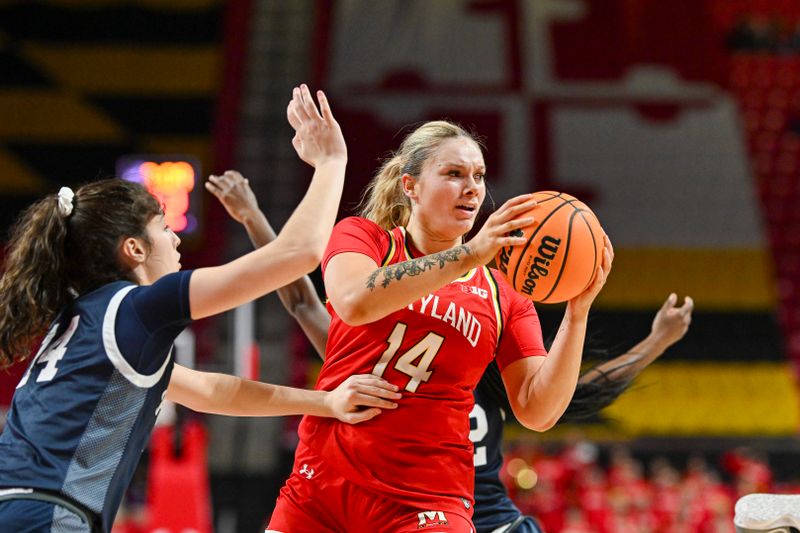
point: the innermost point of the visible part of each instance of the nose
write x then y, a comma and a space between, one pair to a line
471, 186
177, 239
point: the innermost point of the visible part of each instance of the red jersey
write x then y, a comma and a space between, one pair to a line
436, 350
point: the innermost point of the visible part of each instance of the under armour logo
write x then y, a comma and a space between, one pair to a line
308, 472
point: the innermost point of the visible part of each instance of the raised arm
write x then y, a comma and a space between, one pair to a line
361, 291
539, 388
299, 297
669, 326
600, 385
357, 399
299, 247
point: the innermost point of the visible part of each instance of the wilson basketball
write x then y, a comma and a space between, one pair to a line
564, 249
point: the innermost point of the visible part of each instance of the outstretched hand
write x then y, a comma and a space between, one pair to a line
361, 397
318, 137
672, 322
234, 193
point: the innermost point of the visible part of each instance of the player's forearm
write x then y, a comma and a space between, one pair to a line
222, 394
311, 223
299, 298
552, 387
258, 229
631, 363
213, 290
252, 398
295, 294
363, 299
315, 321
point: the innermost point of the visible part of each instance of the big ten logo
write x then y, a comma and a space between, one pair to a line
471, 289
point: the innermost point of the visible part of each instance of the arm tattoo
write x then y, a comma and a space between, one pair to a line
415, 267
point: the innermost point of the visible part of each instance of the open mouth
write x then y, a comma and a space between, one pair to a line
467, 208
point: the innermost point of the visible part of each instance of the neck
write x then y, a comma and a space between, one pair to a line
141, 276
427, 241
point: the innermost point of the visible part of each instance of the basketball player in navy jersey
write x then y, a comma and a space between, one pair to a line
597, 387
96, 273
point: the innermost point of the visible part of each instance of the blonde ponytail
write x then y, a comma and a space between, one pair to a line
384, 201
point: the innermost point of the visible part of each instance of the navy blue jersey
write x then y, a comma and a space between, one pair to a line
493, 507
84, 410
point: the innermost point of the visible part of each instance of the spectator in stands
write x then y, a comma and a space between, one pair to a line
754, 33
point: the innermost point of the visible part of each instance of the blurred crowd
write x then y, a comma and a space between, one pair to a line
762, 34
573, 491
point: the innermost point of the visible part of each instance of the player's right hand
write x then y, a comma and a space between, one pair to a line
498, 230
318, 137
235, 194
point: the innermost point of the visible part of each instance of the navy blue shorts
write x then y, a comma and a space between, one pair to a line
32, 516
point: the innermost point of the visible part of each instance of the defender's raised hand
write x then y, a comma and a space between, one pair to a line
318, 137
234, 193
672, 322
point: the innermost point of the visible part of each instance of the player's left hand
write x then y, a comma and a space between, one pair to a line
672, 322
581, 303
361, 397
235, 194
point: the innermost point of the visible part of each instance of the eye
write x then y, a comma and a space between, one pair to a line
480, 177
454, 173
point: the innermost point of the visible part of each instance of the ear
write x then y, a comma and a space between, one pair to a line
132, 251
409, 186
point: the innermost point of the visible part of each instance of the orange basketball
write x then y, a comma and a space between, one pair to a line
564, 249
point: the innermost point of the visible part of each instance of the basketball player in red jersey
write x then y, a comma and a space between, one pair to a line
412, 303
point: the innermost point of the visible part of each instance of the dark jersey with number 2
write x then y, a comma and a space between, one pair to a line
493, 507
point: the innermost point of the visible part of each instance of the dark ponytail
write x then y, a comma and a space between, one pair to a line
589, 398
54, 256
33, 287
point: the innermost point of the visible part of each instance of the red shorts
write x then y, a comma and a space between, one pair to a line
317, 499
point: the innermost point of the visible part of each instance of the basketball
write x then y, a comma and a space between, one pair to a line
564, 249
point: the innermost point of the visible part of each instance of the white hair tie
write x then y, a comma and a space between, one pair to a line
65, 196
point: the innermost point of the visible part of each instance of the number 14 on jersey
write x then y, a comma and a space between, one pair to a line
415, 361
